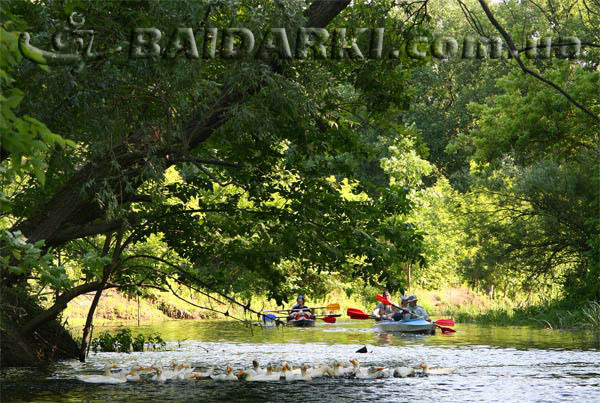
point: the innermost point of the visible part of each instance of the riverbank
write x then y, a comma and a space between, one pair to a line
551, 316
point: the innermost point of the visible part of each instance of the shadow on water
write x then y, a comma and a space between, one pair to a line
492, 364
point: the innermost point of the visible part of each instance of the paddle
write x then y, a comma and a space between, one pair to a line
329, 319
444, 322
330, 307
385, 301
445, 330
325, 318
354, 310
363, 316
358, 314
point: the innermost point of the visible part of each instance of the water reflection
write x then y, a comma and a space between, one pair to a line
348, 332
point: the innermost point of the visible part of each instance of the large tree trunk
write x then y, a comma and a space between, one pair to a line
88, 323
106, 273
49, 342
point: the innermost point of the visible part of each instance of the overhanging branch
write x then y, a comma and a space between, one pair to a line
515, 54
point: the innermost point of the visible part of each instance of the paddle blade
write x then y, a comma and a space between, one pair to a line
386, 301
353, 311
359, 316
332, 315
383, 299
447, 330
444, 322
333, 307
328, 319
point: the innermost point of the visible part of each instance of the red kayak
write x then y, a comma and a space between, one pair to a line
301, 320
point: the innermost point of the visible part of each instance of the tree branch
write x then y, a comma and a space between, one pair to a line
515, 54
59, 305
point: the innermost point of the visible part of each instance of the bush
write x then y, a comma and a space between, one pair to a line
104, 342
138, 343
123, 342
156, 341
119, 342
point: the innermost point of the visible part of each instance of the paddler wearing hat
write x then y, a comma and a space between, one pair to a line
416, 310
402, 313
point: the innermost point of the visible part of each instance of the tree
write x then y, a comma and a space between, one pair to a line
261, 148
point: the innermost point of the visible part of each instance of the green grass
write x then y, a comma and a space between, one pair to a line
552, 316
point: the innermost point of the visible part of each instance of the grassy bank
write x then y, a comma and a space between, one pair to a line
460, 303
115, 308
552, 316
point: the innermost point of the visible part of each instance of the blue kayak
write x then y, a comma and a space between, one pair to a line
405, 326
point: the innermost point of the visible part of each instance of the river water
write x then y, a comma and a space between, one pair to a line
508, 364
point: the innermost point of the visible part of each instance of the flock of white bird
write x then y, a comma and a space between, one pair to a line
185, 371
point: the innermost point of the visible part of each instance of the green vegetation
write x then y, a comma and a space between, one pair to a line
122, 341
556, 316
237, 184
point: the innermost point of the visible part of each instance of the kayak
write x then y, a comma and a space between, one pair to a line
301, 322
405, 326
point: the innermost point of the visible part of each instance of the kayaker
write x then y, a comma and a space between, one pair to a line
416, 310
300, 309
382, 311
403, 312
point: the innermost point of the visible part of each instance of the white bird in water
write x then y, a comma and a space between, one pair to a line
183, 371
290, 375
227, 376
256, 369
304, 376
340, 370
370, 373
271, 375
403, 372
202, 375
160, 376
436, 371
321, 371
356, 367
132, 375
250, 376
107, 377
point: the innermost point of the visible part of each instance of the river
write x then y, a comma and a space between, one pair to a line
493, 363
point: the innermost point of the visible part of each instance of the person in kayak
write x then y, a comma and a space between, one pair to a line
300, 310
382, 311
403, 312
417, 312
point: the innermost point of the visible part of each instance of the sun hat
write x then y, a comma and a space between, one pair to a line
412, 298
